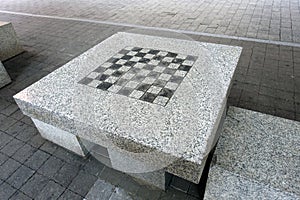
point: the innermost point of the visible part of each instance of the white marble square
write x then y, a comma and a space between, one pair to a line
135, 59
114, 88
154, 89
94, 83
121, 62
174, 66
160, 100
132, 84
128, 75
139, 65
109, 71
171, 85
149, 80
180, 73
136, 94
165, 77
159, 69
111, 79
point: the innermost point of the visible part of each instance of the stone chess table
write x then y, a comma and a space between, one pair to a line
144, 105
9, 42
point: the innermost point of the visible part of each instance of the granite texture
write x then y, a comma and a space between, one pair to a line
10, 45
261, 147
182, 130
223, 184
4, 77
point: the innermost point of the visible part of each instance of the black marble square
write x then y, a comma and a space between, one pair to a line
178, 61
137, 49
140, 54
153, 51
143, 87
144, 60
160, 83
85, 81
125, 91
169, 71
130, 63
100, 69
117, 73
149, 67
184, 68
126, 57
113, 60
104, 86
170, 54
149, 97
102, 77
176, 79
165, 92
164, 64
154, 74
158, 57
115, 66
123, 51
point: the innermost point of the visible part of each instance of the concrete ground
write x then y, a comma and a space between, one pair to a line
264, 19
267, 78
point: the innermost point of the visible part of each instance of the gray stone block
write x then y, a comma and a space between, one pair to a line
223, 184
10, 45
4, 77
261, 147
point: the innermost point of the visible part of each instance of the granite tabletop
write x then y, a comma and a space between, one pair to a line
160, 93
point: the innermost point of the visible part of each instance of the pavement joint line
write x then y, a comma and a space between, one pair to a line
291, 44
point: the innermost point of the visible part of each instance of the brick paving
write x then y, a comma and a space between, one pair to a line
265, 19
267, 79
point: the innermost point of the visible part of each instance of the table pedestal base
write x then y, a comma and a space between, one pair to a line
60, 137
71, 142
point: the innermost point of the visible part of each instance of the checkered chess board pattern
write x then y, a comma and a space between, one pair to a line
146, 74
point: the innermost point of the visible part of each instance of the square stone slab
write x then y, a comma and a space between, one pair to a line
153, 98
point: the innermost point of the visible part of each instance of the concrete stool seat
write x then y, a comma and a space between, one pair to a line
257, 158
9, 42
4, 77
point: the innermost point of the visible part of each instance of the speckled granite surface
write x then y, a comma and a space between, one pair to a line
9, 41
4, 77
182, 129
260, 147
223, 184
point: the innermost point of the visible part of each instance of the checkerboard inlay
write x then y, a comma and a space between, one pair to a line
146, 74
